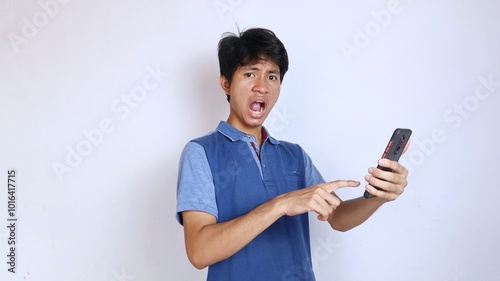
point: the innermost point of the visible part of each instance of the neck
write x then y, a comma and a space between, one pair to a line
259, 136
256, 131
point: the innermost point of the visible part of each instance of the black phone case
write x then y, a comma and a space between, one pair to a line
393, 150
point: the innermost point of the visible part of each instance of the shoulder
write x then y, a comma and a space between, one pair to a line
289, 146
209, 139
296, 150
196, 146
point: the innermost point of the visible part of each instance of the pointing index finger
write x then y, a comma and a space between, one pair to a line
334, 185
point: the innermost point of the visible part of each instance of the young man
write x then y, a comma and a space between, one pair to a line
243, 196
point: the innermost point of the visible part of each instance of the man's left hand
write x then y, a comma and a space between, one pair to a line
392, 183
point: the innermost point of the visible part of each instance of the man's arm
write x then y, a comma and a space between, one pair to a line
208, 242
354, 212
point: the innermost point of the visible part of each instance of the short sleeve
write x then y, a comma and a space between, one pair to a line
195, 186
312, 175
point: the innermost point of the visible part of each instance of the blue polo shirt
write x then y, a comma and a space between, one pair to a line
226, 175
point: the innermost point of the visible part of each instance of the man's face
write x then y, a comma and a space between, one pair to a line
253, 92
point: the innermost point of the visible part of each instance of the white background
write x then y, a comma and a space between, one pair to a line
357, 71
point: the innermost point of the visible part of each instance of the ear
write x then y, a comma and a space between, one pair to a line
224, 83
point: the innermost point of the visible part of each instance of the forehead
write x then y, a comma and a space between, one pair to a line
261, 64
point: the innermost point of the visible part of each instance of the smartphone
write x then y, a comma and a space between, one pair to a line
393, 150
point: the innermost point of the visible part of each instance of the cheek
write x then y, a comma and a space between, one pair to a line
276, 96
238, 104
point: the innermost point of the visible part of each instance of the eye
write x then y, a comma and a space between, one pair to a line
249, 74
273, 78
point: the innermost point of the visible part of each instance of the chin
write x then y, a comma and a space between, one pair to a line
255, 123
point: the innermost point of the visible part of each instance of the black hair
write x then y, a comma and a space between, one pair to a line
250, 46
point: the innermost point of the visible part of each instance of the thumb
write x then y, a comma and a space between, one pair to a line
406, 147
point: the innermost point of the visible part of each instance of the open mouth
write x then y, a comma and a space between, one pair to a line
258, 106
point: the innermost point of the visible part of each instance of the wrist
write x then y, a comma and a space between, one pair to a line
379, 201
272, 208
276, 206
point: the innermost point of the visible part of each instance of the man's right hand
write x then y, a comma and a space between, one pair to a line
320, 199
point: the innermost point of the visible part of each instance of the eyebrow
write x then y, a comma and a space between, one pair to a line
272, 71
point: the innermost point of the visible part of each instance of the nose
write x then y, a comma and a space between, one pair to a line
261, 85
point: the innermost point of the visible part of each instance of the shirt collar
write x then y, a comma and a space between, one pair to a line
234, 134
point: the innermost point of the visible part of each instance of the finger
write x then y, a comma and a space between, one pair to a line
382, 175
322, 206
321, 201
393, 165
406, 146
382, 184
324, 198
322, 212
332, 200
381, 194
396, 180
334, 185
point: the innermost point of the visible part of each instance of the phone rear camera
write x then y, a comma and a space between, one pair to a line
396, 152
